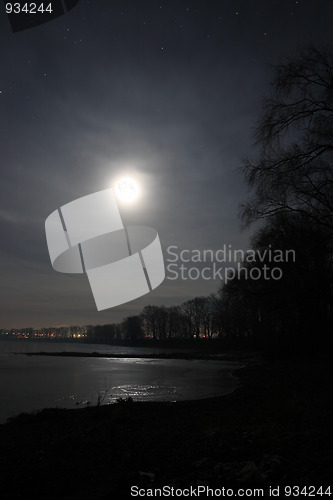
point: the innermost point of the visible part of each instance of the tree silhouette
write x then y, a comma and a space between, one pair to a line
294, 137
294, 312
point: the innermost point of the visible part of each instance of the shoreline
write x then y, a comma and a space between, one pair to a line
232, 356
274, 429
166, 378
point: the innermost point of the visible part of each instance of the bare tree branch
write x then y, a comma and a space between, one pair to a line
294, 136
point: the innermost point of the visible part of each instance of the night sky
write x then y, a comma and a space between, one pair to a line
167, 91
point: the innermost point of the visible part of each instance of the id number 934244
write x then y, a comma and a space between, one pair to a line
28, 8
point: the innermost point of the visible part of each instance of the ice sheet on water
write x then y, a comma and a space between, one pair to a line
148, 392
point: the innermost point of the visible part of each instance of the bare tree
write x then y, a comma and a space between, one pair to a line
294, 136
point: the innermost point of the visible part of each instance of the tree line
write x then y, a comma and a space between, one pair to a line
194, 319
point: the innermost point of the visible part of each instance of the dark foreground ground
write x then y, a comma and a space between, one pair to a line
275, 430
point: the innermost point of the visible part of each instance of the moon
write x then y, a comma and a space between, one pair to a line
127, 189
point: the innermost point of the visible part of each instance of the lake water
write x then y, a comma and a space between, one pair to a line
29, 383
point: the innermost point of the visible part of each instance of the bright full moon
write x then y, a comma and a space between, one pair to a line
127, 189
